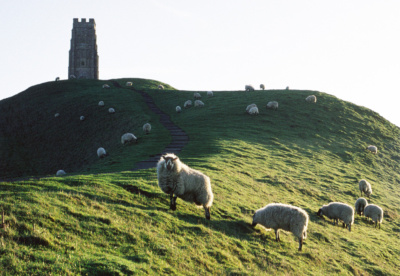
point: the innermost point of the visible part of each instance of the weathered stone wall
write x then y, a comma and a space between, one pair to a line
83, 57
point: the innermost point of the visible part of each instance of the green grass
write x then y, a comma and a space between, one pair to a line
119, 223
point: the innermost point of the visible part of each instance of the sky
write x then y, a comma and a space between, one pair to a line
350, 49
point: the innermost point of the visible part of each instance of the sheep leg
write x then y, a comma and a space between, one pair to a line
277, 235
207, 211
172, 205
300, 243
349, 227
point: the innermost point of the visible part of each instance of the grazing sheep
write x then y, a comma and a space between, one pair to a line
365, 187
249, 107
56, 115
210, 94
175, 177
60, 173
336, 211
198, 103
111, 110
311, 99
82, 118
101, 103
160, 86
101, 152
129, 83
72, 77
375, 213
372, 149
248, 87
187, 104
178, 109
282, 216
360, 205
106, 86
262, 86
272, 105
197, 95
58, 78
128, 138
253, 110
146, 128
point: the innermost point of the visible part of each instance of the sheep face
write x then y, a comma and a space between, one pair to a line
254, 223
169, 163
320, 213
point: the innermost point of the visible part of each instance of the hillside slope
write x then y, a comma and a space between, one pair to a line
302, 154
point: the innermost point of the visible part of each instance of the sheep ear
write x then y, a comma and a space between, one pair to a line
176, 157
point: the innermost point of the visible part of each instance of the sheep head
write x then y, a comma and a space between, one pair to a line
170, 159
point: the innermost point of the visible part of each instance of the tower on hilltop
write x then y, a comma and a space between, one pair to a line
83, 57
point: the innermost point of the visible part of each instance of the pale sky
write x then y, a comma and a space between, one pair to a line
347, 48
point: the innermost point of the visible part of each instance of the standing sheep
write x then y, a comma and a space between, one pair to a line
146, 128
58, 79
360, 205
60, 173
272, 105
101, 103
197, 96
178, 109
372, 149
375, 213
56, 115
198, 103
129, 83
82, 118
175, 177
336, 211
250, 106
365, 187
282, 216
210, 94
101, 152
187, 104
106, 86
248, 87
253, 110
111, 110
311, 99
128, 138
160, 86
262, 86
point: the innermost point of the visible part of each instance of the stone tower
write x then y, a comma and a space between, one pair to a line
83, 57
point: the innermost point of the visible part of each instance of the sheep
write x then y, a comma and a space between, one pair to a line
176, 178
248, 87
336, 211
187, 104
101, 152
262, 86
250, 106
178, 109
360, 205
146, 128
111, 110
272, 105
60, 173
375, 213
311, 99
365, 187
106, 86
128, 138
210, 94
372, 149
287, 87
253, 110
283, 216
58, 79
160, 86
128, 83
101, 103
197, 95
72, 77
82, 118
198, 103
56, 115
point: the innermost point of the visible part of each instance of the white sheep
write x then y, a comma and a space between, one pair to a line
56, 115
111, 110
198, 103
372, 149
197, 95
336, 211
128, 138
72, 77
282, 216
248, 87
82, 118
128, 83
106, 86
101, 152
262, 86
176, 178
188, 104
375, 213
101, 103
250, 106
146, 128
178, 109
365, 187
253, 110
272, 105
210, 94
311, 99
360, 205
60, 173
160, 86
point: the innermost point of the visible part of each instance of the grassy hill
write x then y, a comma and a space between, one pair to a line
119, 223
